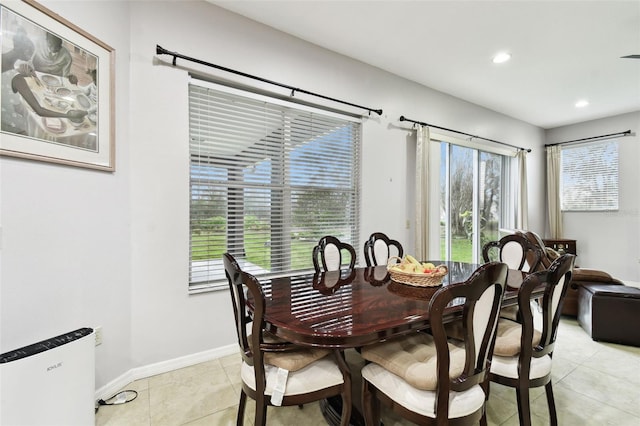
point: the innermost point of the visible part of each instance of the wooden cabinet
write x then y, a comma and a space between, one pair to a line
562, 246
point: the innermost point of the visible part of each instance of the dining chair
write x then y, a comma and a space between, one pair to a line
515, 250
310, 374
427, 379
523, 350
379, 248
518, 253
327, 254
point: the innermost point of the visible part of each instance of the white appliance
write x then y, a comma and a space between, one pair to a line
50, 383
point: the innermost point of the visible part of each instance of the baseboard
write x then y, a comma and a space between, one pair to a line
138, 373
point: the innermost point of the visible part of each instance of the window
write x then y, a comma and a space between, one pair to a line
474, 200
589, 176
268, 179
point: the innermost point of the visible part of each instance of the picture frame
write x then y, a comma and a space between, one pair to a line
58, 89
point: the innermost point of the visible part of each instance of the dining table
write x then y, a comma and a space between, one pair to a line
352, 308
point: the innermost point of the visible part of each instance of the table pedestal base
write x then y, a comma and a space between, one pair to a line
331, 409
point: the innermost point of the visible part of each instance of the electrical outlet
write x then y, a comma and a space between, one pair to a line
98, 331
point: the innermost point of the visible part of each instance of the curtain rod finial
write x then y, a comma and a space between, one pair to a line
162, 51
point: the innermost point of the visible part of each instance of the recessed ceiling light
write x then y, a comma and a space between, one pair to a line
501, 57
582, 103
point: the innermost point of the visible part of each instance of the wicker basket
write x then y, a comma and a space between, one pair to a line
433, 279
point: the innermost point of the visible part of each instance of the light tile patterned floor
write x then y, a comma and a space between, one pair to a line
594, 384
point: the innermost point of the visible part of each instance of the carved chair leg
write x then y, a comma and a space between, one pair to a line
370, 404
261, 411
524, 408
345, 417
241, 406
485, 387
551, 404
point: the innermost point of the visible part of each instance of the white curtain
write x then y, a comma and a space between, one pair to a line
423, 143
522, 205
553, 191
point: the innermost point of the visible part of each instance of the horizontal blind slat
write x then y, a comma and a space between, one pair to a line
589, 179
267, 181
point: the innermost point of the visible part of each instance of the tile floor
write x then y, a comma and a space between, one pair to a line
594, 384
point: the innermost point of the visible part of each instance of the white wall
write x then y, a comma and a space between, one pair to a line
65, 240
609, 241
91, 248
159, 152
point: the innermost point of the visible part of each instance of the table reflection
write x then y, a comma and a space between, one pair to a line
350, 308
329, 282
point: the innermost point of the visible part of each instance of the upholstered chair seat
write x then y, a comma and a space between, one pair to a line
306, 375
523, 349
273, 371
507, 348
509, 336
424, 377
406, 370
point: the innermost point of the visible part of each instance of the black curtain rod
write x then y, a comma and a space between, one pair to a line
625, 133
422, 123
163, 51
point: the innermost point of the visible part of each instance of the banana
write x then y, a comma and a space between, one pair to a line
400, 267
413, 260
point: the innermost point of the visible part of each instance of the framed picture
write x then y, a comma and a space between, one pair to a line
57, 89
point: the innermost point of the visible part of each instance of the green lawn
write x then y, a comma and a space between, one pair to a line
460, 250
213, 245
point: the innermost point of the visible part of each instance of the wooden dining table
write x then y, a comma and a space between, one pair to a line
351, 308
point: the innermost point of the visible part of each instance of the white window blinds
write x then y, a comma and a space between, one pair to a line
268, 179
590, 176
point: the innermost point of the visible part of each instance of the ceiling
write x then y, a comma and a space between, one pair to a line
562, 51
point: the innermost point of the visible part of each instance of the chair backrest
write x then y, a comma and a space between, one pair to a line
327, 255
535, 239
379, 248
515, 250
482, 293
556, 281
238, 280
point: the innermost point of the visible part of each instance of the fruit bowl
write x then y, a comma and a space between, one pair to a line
411, 272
